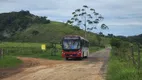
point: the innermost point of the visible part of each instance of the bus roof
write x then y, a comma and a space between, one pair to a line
75, 36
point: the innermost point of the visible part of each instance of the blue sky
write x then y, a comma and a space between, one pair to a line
124, 17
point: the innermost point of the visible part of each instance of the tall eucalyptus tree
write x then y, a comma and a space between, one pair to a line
87, 18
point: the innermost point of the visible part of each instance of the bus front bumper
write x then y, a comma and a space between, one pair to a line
64, 55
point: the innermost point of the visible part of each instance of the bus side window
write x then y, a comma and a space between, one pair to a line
82, 43
86, 44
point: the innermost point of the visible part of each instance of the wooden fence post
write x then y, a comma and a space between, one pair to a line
1, 53
139, 57
132, 55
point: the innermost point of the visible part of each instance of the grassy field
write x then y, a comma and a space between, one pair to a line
29, 50
9, 62
13, 49
19, 44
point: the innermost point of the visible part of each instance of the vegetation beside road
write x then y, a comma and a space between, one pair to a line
121, 70
30, 50
94, 49
9, 62
121, 66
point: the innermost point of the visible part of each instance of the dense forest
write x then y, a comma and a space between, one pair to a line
135, 38
13, 22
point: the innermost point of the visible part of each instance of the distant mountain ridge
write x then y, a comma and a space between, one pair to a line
136, 38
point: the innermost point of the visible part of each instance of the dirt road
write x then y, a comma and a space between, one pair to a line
93, 68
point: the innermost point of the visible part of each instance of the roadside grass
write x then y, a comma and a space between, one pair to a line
122, 70
29, 50
32, 52
94, 49
19, 44
9, 62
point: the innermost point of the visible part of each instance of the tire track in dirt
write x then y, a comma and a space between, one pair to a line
101, 56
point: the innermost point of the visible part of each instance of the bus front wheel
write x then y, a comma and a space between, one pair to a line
67, 58
82, 56
86, 56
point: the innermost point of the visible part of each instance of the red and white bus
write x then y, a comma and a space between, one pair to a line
74, 46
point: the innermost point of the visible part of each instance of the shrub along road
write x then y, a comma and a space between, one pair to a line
93, 68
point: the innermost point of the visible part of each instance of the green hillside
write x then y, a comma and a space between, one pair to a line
52, 32
23, 26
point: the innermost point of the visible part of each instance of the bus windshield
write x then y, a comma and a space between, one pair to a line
71, 44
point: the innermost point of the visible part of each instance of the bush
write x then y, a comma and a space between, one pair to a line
35, 32
115, 43
48, 21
